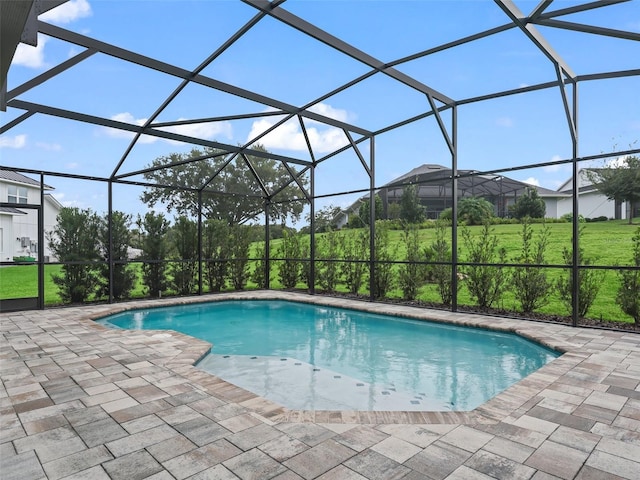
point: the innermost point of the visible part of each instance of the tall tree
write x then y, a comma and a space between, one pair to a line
123, 275
232, 192
410, 209
619, 183
74, 239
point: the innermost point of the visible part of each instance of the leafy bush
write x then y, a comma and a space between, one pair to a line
471, 211
123, 275
289, 268
355, 249
365, 214
328, 271
259, 275
184, 236
628, 296
568, 217
239, 256
412, 275
486, 283
446, 215
154, 228
410, 209
531, 286
474, 210
589, 282
74, 239
601, 218
305, 261
393, 211
528, 205
383, 275
354, 222
441, 271
216, 251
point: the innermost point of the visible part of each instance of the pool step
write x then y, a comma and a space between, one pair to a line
301, 386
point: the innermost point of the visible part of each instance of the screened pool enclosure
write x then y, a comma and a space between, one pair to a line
341, 100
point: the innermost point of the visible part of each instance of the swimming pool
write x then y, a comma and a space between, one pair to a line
323, 358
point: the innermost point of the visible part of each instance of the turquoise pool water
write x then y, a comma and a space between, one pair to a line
316, 357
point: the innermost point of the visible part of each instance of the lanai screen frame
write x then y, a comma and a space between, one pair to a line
566, 81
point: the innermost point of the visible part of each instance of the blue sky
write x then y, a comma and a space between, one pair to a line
282, 63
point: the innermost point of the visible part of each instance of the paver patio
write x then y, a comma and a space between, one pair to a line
80, 401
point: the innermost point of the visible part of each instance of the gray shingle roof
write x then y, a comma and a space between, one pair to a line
12, 176
11, 210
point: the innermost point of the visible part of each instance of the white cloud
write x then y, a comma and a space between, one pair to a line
52, 147
289, 137
505, 122
67, 12
28, 56
72, 165
532, 181
60, 197
19, 141
555, 168
202, 130
33, 57
126, 117
323, 139
331, 112
198, 130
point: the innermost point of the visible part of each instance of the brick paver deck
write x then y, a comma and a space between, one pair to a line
80, 401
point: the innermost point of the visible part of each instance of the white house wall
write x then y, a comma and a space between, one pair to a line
590, 205
6, 238
551, 207
51, 211
16, 229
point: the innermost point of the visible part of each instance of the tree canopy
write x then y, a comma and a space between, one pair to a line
528, 205
620, 183
474, 210
230, 189
365, 214
410, 209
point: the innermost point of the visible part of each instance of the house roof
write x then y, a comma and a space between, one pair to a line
53, 201
11, 211
439, 176
15, 177
488, 184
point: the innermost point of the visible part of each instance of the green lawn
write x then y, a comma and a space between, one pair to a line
609, 243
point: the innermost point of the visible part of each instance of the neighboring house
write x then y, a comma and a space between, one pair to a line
19, 226
592, 203
434, 192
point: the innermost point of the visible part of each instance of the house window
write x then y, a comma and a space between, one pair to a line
16, 194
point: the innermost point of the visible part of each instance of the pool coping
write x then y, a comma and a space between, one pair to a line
560, 338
